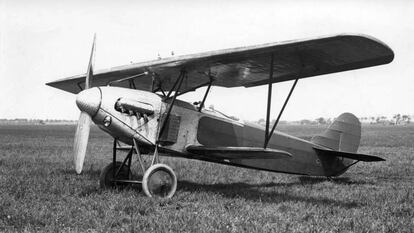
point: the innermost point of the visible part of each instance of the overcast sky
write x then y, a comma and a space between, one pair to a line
41, 41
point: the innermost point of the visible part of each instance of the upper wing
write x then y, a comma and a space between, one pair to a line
248, 66
237, 152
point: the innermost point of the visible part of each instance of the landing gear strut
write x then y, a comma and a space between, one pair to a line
159, 180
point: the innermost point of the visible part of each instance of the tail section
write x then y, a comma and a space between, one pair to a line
344, 134
341, 142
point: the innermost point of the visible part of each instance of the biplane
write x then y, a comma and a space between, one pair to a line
139, 105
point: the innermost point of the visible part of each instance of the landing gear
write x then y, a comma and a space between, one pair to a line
106, 178
158, 180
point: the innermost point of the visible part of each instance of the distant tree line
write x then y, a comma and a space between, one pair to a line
397, 119
23, 121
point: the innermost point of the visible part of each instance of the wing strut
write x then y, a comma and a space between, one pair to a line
164, 120
179, 81
269, 100
205, 95
268, 135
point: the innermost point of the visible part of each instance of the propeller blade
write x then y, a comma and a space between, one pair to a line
89, 73
81, 140
84, 124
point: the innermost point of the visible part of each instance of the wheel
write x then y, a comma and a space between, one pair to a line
105, 180
159, 181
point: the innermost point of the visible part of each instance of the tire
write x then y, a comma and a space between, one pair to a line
159, 181
105, 179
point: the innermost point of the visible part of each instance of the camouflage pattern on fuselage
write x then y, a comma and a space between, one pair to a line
187, 126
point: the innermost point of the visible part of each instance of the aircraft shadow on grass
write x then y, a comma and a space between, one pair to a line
253, 192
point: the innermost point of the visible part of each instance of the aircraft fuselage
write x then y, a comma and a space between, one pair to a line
188, 126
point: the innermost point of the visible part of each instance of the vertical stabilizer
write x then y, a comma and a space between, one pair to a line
344, 134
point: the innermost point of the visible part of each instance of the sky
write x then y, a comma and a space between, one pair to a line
41, 41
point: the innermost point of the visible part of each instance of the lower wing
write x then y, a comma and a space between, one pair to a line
238, 152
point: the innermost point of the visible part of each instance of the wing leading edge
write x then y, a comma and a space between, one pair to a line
247, 66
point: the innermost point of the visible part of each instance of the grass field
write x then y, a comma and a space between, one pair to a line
39, 190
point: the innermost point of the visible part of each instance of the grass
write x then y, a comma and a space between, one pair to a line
39, 190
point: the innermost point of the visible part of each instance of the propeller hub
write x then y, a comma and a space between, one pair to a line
89, 100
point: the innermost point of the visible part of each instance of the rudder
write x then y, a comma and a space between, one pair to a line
344, 134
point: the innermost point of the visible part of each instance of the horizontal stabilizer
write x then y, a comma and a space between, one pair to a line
238, 152
354, 156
